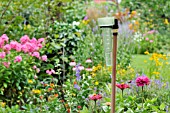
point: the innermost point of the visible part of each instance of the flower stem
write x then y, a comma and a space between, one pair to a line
122, 93
142, 97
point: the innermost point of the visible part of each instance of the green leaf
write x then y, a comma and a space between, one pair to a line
130, 111
5, 85
162, 106
120, 110
85, 110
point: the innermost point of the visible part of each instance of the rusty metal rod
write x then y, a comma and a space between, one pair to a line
114, 53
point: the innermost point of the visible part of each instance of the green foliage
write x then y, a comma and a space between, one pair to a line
151, 10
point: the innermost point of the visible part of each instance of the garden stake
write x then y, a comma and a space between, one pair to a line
114, 52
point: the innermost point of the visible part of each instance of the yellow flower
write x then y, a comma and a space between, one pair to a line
156, 73
145, 61
93, 74
28, 26
3, 104
136, 23
85, 21
146, 52
52, 85
133, 13
130, 26
30, 81
99, 66
167, 63
36, 91
74, 94
96, 83
166, 22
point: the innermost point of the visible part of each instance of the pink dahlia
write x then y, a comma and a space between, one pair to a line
142, 80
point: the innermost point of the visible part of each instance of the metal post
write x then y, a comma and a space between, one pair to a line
114, 53
113, 24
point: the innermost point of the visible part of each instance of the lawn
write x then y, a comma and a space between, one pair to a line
142, 64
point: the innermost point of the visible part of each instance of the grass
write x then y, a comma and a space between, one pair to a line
142, 64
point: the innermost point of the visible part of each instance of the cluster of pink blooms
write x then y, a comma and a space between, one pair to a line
142, 80
37, 69
50, 72
95, 97
149, 32
26, 45
73, 63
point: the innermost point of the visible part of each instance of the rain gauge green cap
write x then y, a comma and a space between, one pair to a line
106, 25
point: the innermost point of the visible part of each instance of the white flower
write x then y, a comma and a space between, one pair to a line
76, 23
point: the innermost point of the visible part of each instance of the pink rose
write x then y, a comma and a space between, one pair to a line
146, 39
24, 39
48, 72
24, 48
52, 71
7, 47
18, 47
151, 41
18, 59
34, 67
35, 77
36, 54
6, 64
38, 70
4, 37
2, 54
44, 58
33, 40
41, 40
1, 43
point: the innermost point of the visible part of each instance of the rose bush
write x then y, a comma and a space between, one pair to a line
16, 62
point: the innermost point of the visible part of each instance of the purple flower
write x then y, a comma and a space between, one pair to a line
77, 86
85, 18
167, 111
78, 77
